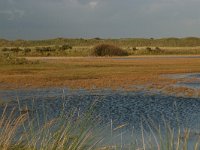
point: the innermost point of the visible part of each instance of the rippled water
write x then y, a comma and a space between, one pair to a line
122, 107
130, 108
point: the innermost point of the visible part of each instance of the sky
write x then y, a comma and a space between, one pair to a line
44, 19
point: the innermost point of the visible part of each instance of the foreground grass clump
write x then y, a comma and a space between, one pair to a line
108, 50
28, 130
23, 132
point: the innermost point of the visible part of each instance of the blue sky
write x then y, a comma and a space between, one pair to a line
42, 19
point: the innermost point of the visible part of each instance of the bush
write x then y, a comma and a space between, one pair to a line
97, 38
45, 49
108, 50
27, 50
157, 49
16, 49
134, 48
148, 49
5, 49
65, 47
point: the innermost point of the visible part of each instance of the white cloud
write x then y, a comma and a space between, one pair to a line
84, 3
93, 4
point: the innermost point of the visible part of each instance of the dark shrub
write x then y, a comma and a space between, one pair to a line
157, 49
5, 49
148, 49
45, 49
16, 49
108, 50
97, 38
65, 47
27, 50
134, 48
38, 49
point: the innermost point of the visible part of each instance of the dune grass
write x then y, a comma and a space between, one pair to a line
85, 51
84, 47
128, 42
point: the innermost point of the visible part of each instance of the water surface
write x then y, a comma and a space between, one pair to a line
132, 109
123, 107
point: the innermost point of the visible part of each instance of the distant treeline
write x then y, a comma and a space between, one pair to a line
132, 42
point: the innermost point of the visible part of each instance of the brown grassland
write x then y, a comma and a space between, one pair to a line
99, 72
